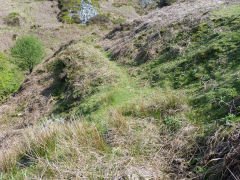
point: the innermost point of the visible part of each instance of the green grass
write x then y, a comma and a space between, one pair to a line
116, 121
207, 68
229, 11
10, 76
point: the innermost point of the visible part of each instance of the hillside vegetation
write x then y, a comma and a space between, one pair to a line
160, 102
10, 76
204, 61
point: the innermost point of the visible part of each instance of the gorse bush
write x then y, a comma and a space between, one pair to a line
29, 52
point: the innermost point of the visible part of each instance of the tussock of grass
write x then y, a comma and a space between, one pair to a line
117, 128
79, 150
52, 146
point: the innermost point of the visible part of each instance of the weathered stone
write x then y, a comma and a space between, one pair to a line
86, 12
145, 3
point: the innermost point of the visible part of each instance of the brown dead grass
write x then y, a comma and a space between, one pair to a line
142, 39
130, 147
87, 153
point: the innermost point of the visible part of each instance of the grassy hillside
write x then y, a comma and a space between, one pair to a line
108, 118
170, 117
205, 62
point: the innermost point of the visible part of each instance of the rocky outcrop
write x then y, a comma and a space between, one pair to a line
86, 12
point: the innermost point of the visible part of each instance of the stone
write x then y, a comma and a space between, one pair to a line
86, 12
145, 3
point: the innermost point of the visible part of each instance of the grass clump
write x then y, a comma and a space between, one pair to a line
13, 19
29, 52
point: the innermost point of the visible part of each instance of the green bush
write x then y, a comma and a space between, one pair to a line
10, 77
29, 52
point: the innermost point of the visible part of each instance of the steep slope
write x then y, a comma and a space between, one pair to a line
161, 104
106, 119
200, 57
192, 57
142, 39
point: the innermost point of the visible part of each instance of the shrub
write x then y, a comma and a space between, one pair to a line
29, 51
